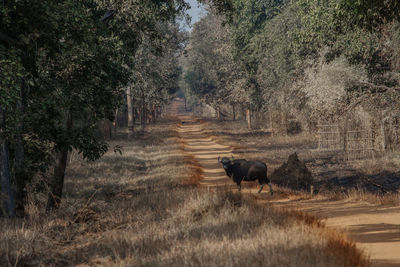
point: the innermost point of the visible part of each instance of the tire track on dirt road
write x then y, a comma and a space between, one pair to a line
202, 147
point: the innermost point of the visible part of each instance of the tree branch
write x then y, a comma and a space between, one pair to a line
379, 88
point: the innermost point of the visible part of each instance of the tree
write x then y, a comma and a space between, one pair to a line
11, 73
155, 72
209, 67
371, 14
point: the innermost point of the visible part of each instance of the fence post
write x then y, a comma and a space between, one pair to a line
383, 135
248, 118
345, 140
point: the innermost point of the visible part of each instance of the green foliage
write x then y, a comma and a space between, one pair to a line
327, 24
371, 14
71, 65
154, 73
209, 68
275, 42
247, 22
276, 56
11, 72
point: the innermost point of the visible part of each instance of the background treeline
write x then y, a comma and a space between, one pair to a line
296, 64
66, 66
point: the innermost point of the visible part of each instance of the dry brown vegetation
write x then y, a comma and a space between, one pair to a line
142, 208
372, 180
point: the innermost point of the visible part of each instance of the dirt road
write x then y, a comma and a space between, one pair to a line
375, 229
205, 150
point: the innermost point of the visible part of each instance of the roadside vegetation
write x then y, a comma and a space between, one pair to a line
372, 180
328, 69
143, 208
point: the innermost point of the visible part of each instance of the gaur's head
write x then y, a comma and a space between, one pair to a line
227, 165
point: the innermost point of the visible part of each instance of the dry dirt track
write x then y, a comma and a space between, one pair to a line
376, 230
202, 147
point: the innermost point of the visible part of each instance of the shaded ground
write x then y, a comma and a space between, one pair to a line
375, 229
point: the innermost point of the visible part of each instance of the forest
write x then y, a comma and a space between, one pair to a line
100, 101
299, 64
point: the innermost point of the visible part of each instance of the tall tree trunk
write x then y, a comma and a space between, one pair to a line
218, 112
133, 112
143, 111
384, 136
5, 174
233, 112
185, 104
57, 183
148, 116
138, 113
130, 112
21, 175
110, 128
115, 122
248, 118
271, 126
153, 113
159, 112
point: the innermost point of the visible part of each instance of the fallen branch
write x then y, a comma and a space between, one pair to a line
375, 184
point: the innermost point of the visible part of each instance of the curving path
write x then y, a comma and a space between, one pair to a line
376, 230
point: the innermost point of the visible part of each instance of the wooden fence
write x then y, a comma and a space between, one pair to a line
352, 144
358, 144
329, 138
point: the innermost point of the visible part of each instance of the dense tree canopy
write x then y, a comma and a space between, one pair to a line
284, 49
209, 67
64, 66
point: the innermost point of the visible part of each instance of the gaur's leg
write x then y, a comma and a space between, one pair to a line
261, 188
237, 180
270, 188
262, 182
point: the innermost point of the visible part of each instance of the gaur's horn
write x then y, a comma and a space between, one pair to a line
219, 160
232, 158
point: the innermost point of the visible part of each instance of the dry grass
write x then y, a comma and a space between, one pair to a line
142, 209
390, 199
388, 163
